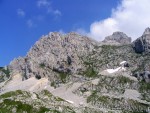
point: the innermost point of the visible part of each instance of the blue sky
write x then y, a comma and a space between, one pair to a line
22, 22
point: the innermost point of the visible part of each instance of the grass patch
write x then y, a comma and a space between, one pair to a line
42, 65
12, 93
90, 72
8, 105
63, 76
124, 80
144, 87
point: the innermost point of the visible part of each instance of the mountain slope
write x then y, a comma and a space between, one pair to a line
87, 76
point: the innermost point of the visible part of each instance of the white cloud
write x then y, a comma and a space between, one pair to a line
20, 13
29, 23
48, 6
43, 3
130, 17
57, 12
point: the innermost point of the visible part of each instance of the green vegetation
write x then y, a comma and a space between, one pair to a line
42, 65
116, 84
128, 105
53, 84
11, 106
47, 93
6, 71
109, 47
8, 104
124, 80
43, 110
15, 102
144, 87
12, 93
90, 72
92, 97
63, 76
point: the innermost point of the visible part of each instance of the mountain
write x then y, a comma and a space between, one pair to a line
142, 44
117, 38
71, 73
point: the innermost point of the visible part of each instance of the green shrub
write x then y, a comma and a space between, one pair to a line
42, 65
63, 76
124, 80
144, 87
90, 72
6, 71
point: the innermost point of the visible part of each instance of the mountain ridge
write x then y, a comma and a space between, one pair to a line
83, 72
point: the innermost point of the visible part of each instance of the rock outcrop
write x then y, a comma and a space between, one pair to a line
144, 76
117, 38
54, 54
142, 44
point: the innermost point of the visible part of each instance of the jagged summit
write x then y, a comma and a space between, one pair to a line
142, 44
147, 31
117, 38
54, 52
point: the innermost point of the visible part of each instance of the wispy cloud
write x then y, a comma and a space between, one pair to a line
20, 12
131, 17
47, 5
43, 3
30, 23
57, 12
81, 31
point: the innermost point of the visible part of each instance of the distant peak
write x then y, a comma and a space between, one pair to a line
117, 37
117, 33
147, 31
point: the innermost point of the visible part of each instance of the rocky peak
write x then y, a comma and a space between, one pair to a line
117, 38
147, 31
54, 54
142, 44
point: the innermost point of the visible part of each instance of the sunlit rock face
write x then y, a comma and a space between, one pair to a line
117, 38
54, 52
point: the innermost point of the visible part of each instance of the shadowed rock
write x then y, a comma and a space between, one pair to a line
142, 44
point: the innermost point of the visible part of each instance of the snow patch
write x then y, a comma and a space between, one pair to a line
122, 62
70, 101
113, 70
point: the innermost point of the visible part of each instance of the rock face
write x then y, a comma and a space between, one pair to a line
54, 54
142, 44
117, 38
144, 76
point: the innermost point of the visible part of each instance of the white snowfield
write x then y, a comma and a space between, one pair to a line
110, 71
113, 70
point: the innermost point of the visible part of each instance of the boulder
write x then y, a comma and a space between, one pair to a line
143, 76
